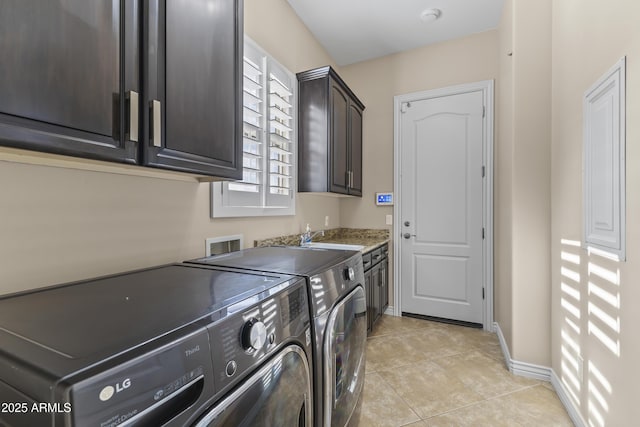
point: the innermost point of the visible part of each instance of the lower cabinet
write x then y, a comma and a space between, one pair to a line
376, 278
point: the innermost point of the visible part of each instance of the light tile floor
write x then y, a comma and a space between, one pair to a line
421, 373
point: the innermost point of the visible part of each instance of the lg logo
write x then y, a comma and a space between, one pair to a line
108, 392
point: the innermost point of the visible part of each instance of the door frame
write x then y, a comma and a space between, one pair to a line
487, 89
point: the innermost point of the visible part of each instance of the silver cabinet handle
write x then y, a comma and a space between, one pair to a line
348, 179
156, 123
132, 98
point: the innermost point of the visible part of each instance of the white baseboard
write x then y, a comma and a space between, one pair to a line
562, 393
544, 373
516, 367
503, 344
530, 370
389, 311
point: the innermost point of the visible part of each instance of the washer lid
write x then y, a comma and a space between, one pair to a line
67, 327
280, 259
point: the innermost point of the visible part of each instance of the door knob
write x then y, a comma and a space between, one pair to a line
407, 236
407, 223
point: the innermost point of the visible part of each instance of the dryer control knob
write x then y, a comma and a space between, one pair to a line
349, 273
254, 335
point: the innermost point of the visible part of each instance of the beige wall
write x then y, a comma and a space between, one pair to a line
531, 191
61, 223
523, 192
588, 39
503, 152
376, 82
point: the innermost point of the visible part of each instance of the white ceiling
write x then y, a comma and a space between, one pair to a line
358, 30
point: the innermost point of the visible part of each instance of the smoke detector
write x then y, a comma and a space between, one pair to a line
430, 15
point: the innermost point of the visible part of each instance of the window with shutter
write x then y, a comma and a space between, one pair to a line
269, 142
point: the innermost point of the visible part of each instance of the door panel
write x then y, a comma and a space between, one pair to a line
376, 284
442, 160
368, 281
384, 287
443, 277
355, 133
199, 79
67, 68
339, 154
442, 272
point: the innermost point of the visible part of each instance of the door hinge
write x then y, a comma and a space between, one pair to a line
484, 111
482, 293
482, 233
483, 171
404, 107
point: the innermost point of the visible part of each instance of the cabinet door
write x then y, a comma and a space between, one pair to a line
376, 285
339, 144
369, 295
193, 112
355, 149
65, 73
384, 285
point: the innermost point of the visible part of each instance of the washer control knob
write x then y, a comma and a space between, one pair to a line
254, 334
349, 273
231, 368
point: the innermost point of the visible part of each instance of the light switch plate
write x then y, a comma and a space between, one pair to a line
389, 220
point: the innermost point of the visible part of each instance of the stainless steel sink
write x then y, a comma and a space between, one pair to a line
327, 245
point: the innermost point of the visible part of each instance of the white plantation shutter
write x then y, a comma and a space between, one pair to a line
281, 136
269, 142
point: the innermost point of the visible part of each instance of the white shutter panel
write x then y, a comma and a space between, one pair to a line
281, 149
248, 192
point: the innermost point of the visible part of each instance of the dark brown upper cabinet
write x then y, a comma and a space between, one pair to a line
330, 134
193, 87
142, 82
66, 69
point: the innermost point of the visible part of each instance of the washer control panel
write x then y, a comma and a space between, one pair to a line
131, 389
254, 329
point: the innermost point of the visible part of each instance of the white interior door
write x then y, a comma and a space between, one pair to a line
441, 149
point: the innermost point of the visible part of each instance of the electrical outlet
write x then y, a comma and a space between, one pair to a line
326, 221
389, 220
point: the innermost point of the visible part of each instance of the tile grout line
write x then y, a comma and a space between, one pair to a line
482, 401
403, 401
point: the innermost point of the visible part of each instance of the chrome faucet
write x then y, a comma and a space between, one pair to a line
305, 238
